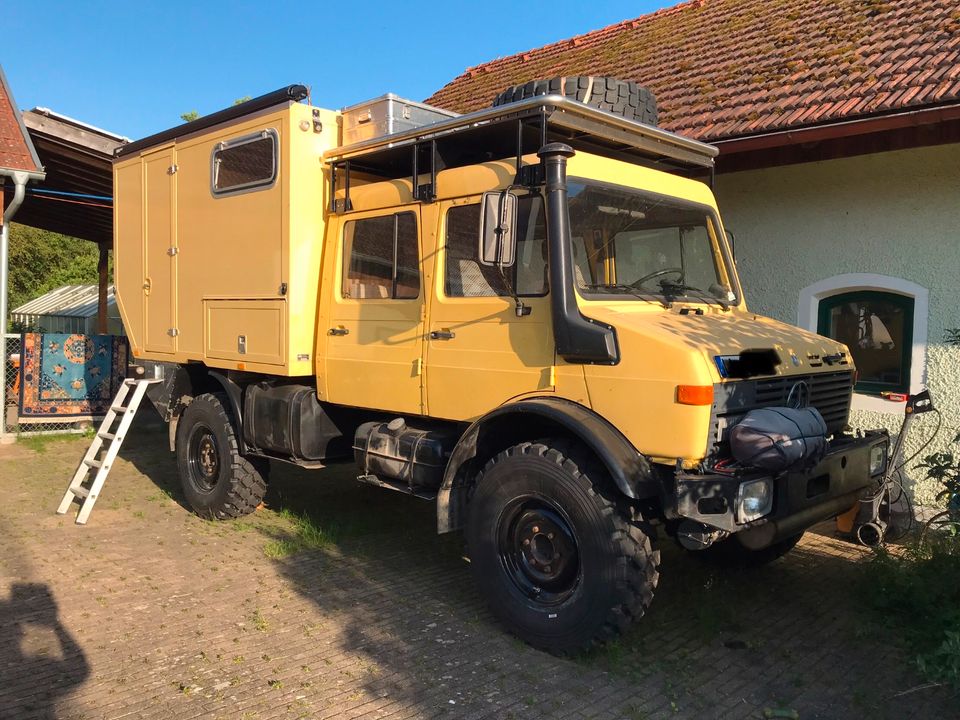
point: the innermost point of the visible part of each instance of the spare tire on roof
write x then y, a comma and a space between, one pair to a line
620, 97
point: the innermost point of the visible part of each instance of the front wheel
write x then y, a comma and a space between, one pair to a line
559, 563
218, 482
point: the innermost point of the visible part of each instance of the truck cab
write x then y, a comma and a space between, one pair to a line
530, 315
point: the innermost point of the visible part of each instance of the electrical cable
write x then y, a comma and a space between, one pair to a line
73, 202
903, 495
909, 513
925, 444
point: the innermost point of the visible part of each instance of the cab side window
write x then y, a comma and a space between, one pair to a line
466, 276
380, 258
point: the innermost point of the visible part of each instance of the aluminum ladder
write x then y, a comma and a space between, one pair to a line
124, 407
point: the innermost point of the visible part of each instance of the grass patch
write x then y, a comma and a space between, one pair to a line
259, 621
308, 535
39, 443
917, 596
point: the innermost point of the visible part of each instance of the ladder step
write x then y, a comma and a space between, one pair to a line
121, 414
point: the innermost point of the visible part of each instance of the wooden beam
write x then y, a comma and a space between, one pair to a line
103, 282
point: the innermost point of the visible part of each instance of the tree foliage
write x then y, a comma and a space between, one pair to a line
41, 261
193, 114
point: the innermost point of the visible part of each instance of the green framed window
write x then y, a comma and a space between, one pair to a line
878, 329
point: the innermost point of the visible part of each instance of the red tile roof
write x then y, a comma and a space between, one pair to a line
16, 150
729, 68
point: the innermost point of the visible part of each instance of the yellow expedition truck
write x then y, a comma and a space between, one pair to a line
529, 314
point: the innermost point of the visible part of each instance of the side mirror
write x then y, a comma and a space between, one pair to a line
732, 241
498, 220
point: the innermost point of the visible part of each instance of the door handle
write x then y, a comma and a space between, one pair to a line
442, 335
338, 331
147, 285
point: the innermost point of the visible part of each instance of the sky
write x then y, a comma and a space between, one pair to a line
133, 67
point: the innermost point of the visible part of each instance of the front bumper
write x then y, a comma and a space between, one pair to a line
800, 499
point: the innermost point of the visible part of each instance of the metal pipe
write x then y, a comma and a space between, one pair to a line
578, 339
19, 190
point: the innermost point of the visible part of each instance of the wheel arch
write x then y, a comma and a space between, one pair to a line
531, 419
182, 383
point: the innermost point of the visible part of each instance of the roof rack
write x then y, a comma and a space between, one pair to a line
513, 130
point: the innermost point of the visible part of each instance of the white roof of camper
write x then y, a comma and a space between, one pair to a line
66, 301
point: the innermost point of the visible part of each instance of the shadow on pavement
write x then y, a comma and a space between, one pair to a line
40, 662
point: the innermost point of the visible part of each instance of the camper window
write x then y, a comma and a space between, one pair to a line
380, 258
247, 163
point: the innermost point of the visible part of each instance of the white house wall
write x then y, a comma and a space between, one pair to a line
893, 215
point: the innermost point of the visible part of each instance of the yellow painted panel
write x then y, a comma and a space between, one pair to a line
373, 346
245, 330
128, 249
160, 321
304, 230
229, 246
493, 356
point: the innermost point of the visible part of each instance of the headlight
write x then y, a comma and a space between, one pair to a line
754, 500
878, 459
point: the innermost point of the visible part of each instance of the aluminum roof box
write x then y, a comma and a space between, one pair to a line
386, 115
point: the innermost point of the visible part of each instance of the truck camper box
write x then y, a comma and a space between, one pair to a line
219, 232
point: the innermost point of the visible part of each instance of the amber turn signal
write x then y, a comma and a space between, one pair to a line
695, 394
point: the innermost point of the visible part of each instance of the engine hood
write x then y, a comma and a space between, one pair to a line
718, 333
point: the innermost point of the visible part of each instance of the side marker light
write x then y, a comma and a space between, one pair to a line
695, 394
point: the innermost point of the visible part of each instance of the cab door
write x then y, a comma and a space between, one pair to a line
160, 252
480, 354
374, 338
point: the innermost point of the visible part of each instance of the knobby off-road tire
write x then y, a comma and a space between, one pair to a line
219, 483
559, 562
620, 97
732, 553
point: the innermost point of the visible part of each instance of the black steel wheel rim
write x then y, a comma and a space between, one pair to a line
203, 458
538, 550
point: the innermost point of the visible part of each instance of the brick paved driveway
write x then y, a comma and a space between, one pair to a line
151, 612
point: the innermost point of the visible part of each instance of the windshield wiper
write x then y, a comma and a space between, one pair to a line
630, 290
672, 290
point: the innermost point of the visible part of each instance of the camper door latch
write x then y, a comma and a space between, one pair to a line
172, 251
173, 332
172, 169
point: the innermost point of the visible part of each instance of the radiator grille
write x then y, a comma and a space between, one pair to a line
829, 393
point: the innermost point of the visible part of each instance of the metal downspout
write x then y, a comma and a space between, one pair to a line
20, 186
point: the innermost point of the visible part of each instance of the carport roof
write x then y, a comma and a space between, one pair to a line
77, 196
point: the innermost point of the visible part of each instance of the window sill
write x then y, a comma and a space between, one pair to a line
873, 403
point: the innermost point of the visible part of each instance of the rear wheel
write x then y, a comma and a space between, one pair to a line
218, 482
560, 564
732, 553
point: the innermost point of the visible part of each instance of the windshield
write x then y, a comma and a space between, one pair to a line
635, 244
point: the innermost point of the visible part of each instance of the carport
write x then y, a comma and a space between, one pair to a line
76, 197
56, 174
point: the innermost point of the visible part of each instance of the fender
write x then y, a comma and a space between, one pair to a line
630, 470
235, 398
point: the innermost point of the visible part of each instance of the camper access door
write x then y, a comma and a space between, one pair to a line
160, 251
